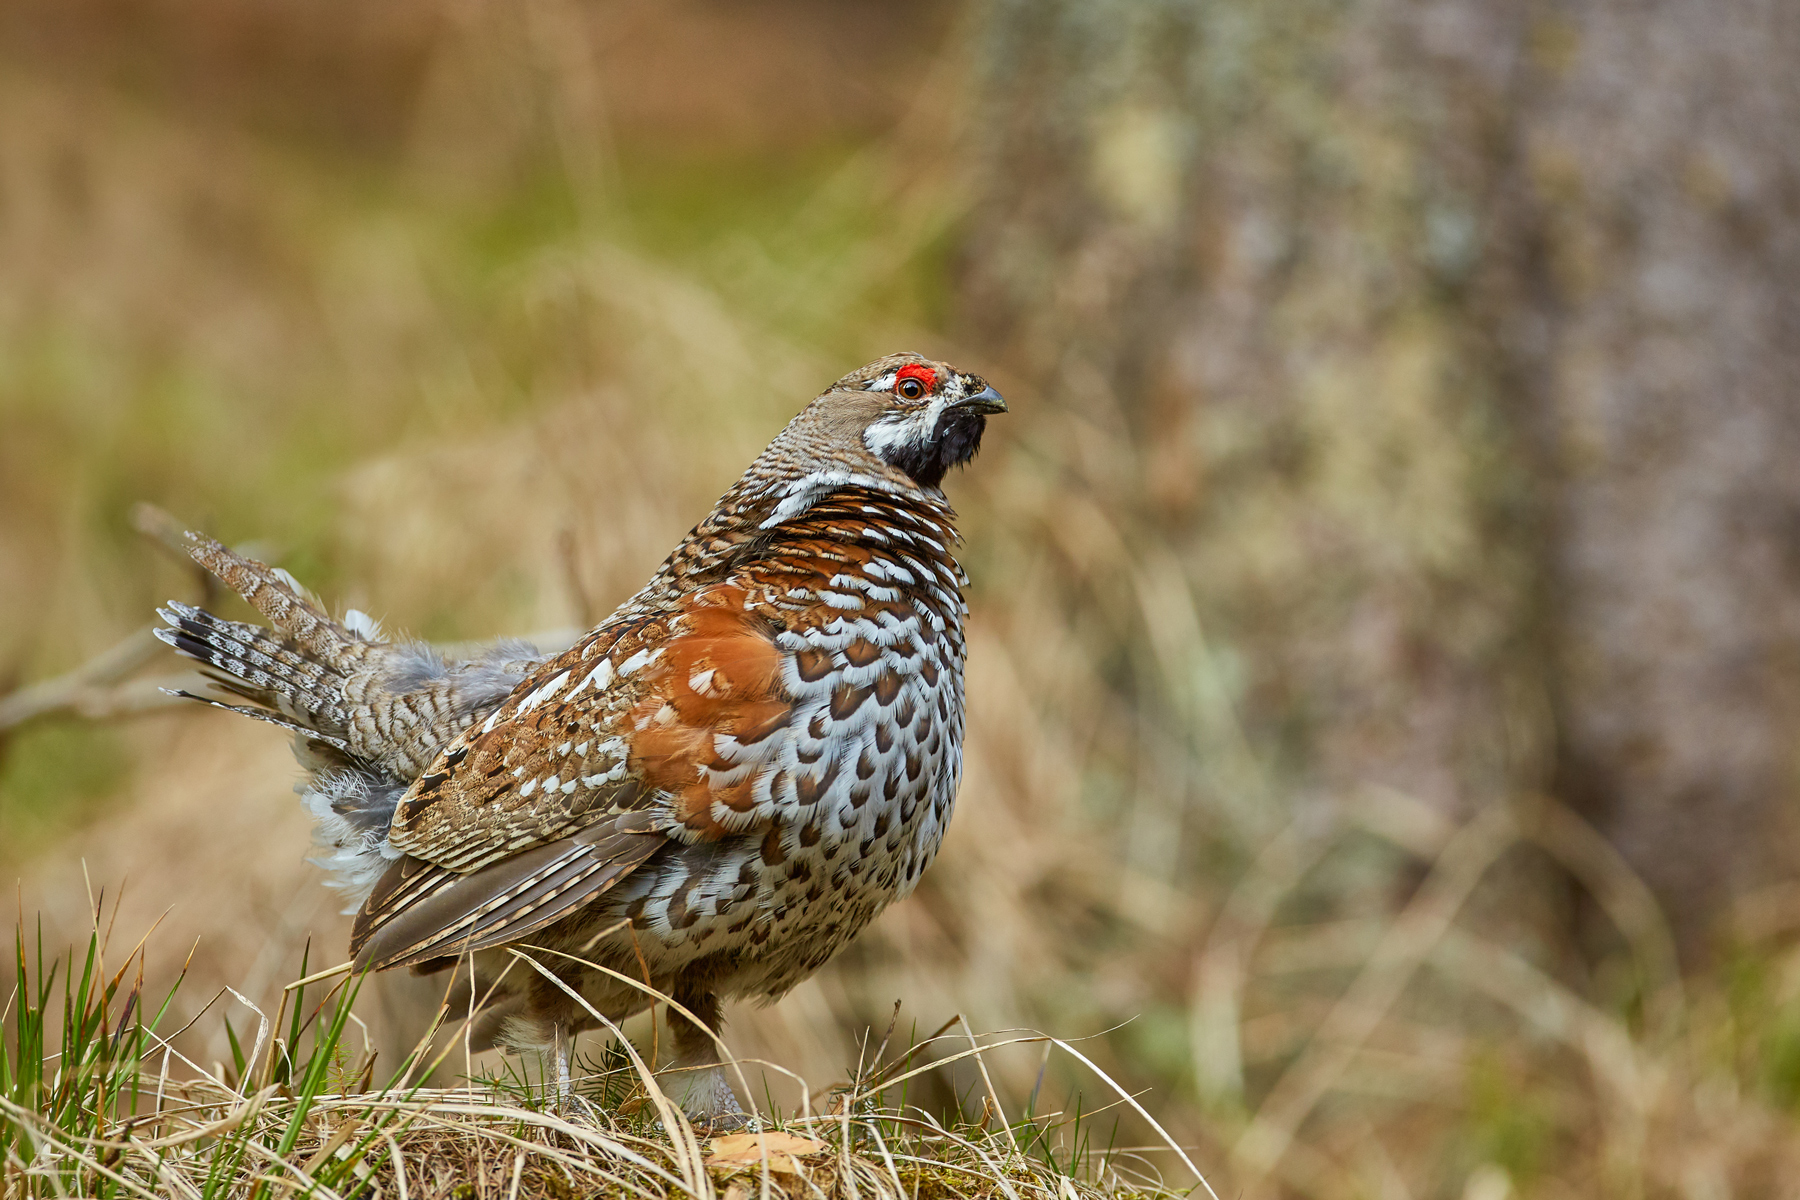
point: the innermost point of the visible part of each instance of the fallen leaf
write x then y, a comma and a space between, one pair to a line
752, 1149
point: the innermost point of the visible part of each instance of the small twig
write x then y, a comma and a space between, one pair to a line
92, 690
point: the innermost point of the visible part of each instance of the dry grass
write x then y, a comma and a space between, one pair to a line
479, 387
96, 1098
1441, 1040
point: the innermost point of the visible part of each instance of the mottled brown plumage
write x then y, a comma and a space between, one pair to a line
721, 784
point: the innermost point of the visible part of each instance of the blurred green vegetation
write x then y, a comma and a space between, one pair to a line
252, 443
1512, 1121
56, 777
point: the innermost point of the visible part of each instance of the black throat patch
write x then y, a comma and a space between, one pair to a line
954, 442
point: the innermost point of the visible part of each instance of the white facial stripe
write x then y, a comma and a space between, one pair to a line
885, 383
904, 429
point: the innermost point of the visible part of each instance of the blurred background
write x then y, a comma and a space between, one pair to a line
1385, 659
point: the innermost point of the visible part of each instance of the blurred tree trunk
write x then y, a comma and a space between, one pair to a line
1451, 351
1665, 157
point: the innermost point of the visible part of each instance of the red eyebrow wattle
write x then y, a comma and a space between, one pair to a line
924, 375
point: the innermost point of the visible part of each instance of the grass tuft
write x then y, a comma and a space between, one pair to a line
96, 1100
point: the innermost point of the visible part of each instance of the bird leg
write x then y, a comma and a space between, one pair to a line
697, 1078
559, 1050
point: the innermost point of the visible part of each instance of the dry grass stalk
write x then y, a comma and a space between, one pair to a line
94, 1100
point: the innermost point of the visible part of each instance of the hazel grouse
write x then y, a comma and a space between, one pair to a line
729, 777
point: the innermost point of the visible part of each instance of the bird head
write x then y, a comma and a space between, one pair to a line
911, 414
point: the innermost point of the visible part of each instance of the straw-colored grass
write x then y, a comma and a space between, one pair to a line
479, 386
96, 1098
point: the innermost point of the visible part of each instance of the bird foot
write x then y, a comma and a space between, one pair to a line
734, 1122
706, 1098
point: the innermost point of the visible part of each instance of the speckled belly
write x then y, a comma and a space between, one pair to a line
858, 797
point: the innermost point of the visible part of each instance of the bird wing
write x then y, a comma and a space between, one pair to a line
656, 728
420, 911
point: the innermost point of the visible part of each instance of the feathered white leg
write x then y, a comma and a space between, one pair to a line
559, 1051
697, 1080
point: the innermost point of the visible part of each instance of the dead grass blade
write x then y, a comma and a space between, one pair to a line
1419, 927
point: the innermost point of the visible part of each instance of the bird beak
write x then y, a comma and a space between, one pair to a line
987, 400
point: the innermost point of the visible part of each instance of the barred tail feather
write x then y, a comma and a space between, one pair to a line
296, 676
274, 594
297, 669
261, 665
263, 714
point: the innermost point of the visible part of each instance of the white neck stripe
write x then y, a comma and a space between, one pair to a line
801, 494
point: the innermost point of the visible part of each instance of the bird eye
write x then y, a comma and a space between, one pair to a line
914, 381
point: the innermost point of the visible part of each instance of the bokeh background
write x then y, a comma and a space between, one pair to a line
1385, 660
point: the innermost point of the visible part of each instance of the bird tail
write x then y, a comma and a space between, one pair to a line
293, 675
